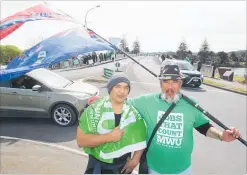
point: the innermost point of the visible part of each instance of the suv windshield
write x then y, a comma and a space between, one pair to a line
185, 66
49, 78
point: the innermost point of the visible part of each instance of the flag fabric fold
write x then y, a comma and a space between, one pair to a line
38, 12
57, 48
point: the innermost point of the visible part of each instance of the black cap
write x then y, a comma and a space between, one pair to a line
170, 72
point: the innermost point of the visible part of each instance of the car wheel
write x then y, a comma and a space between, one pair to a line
63, 115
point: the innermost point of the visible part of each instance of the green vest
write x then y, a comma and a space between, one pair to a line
99, 118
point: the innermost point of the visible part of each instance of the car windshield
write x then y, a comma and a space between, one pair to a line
185, 66
49, 78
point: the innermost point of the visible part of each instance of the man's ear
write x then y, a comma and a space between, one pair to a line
161, 83
181, 83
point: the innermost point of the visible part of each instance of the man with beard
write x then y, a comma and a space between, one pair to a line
171, 148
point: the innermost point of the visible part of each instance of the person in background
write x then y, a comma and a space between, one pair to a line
199, 66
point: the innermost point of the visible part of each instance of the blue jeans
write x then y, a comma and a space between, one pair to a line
187, 171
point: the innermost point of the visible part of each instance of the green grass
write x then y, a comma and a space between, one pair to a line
239, 90
217, 75
96, 79
214, 83
238, 78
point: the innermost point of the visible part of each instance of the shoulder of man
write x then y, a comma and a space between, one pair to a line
146, 96
191, 98
140, 102
97, 102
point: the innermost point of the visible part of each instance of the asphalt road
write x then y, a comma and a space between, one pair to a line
209, 156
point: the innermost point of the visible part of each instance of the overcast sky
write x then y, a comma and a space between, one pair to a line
158, 25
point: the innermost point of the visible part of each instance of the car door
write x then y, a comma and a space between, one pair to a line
34, 102
21, 101
11, 98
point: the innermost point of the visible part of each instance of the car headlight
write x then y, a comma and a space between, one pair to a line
185, 75
202, 76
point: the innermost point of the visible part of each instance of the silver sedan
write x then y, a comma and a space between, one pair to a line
42, 93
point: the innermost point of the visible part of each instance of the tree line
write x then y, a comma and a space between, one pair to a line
206, 56
8, 52
124, 46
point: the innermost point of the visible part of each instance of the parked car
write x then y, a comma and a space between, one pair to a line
192, 76
42, 93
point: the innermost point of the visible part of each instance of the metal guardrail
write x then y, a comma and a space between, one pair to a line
72, 63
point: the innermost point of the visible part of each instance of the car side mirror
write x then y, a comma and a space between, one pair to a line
36, 88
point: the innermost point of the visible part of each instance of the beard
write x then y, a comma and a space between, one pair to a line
169, 99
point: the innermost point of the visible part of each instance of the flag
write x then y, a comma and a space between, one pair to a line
98, 39
38, 12
8, 74
60, 47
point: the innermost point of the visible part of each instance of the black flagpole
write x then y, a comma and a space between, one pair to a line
211, 117
185, 97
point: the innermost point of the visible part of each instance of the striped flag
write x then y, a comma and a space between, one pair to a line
98, 39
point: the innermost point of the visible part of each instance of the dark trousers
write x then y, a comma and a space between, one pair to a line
95, 166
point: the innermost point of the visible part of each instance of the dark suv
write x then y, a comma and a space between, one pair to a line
192, 76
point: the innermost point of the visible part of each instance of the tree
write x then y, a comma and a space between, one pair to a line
211, 54
213, 57
204, 51
136, 47
182, 51
174, 56
223, 57
127, 49
189, 52
233, 57
8, 52
123, 44
243, 56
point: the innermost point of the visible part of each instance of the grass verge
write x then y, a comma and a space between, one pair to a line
222, 85
96, 79
236, 78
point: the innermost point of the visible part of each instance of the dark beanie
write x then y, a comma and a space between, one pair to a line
115, 79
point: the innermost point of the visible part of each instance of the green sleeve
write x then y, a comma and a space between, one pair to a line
139, 103
86, 122
200, 119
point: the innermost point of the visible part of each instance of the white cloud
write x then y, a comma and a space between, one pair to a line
159, 25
